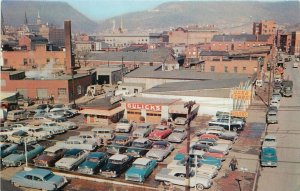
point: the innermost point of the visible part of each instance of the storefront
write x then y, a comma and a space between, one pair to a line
150, 110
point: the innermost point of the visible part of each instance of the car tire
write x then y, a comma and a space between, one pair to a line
199, 187
16, 184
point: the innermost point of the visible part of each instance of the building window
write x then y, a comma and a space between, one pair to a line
244, 68
212, 68
225, 68
235, 69
25, 61
135, 90
48, 60
61, 91
79, 91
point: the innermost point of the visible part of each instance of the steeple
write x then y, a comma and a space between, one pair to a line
38, 20
26, 20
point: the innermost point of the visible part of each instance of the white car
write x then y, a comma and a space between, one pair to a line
274, 103
75, 142
68, 125
90, 137
53, 128
270, 141
142, 130
20, 137
72, 158
160, 150
178, 135
123, 126
39, 133
224, 148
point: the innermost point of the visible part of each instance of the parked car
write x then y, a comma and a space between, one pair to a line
216, 138
178, 135
20, 137
119, 145
25, 102
57, 107
140, 169
214, 145
16, 115
123, 126
7, 148
268, 157
116, 165
202, 158
70, 113
71, 159
221, 132
160, 150
39, 179
276, 96
139, 147
274, 103
53, 128
90, 137
272, 117
269, 141
45, 107
17, 158
49, 157
160, 132
3, 138
93, 162
39, 133
68, 125
180, 121
177, 176
54, 115
208, 151
234, 125
75, 142
104, 132
142, 130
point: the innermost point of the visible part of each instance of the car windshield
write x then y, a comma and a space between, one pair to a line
138, 144
270, 140
70, 156
142, 127
49, 176
269, 155
115, 161
160, 128
178, 131
139, 166
124, 121
61, 120
159, 146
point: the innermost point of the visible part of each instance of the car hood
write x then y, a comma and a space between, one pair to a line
176, 136
156, 152
43, 157
136, 171
140, 131
88, 164
65, 162
157, 133
222, 147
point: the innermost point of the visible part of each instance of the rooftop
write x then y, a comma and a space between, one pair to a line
150, 100
214, 53
103, 103
142, 161
240, 38
153, 72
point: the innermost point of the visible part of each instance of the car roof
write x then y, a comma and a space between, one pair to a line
141, 139
121, 137
96, 154
52, 149
75, 138
73, 151
270, 136
142, 161
118, 157
160, 143
39, 172
86, 133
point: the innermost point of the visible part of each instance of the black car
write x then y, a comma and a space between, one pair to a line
140, 147
116, 165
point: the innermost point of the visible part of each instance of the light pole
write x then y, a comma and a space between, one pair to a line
189, 106
25, 145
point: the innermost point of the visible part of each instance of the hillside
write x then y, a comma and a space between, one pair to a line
51, 12
223, 14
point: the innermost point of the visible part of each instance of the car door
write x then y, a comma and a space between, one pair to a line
27, 181
37, 182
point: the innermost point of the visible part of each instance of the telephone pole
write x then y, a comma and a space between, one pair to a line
189, 105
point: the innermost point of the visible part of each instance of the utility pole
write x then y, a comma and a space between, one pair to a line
73, 85
189, 105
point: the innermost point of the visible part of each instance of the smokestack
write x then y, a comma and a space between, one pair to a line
68, 45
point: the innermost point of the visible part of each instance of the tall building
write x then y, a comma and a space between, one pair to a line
295, 43
265, 27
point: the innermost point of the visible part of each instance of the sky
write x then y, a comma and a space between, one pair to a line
103, 9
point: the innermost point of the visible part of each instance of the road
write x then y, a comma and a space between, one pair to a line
287, 175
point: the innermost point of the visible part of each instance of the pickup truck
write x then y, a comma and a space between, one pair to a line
178, 177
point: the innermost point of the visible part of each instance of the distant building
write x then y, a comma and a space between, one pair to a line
283, 41
29, 42
295, 43
56, 36
192, 35
265, 27
123, 39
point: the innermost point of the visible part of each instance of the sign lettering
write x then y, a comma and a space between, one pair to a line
239, 114
148, 107
241, 94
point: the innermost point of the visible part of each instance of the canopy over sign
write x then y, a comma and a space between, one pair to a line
241, 94
243, 114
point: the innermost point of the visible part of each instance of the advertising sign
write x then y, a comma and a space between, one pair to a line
139, 106
241, 94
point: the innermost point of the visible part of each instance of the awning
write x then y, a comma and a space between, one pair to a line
179, 108
102, 112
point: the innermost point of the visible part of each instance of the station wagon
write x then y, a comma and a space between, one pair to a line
140, 170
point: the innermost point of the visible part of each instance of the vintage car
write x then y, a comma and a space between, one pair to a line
177, 176
90, 137
7, 148
116, 165
139, 147
140, 170
206, 170
178, 135
17, 158
71, 159
160, 150
119, 145
219, 131
38, 179
208, 151
180, 121
268, 157
160, 132
39, 133
53, 128
216, 138
20, 137
269, 141
142, 130
75, 142
235, 125
49, 157
68, 125
93, 162
215, 146
3, 138
54, 115
104, 133
123, 126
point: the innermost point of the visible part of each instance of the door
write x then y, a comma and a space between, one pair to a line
103, 79
153, 117
134, 115
42, 93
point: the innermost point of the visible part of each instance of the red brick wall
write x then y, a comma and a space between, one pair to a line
227, 46
37, 57
25, 41
250, 66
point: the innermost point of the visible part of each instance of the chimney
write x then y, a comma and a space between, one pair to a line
68, 46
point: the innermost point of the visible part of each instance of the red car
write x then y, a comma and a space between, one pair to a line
208, 152
160, 132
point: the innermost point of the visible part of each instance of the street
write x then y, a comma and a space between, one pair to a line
286, 176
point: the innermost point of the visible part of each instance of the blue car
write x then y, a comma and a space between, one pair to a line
201, 159
7, 148
39, 179
93, 162
140, 170
140, 147
17, 158
268, 157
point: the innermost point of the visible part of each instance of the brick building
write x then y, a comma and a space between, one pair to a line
125, 39
192, 35
29, 42
239, 42
295, 43
60, 87
265, 27
37, 58
283, 41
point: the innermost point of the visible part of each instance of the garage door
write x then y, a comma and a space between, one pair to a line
153, 117
134, 115
42, 93
22, 92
